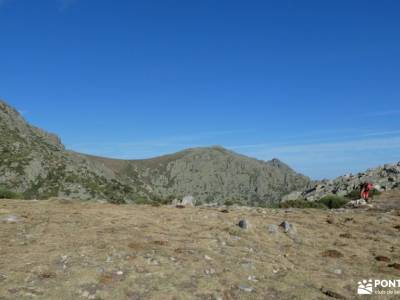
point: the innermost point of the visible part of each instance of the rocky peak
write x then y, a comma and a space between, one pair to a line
384, 178
12, 120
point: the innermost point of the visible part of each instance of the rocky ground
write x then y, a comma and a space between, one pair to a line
72, 250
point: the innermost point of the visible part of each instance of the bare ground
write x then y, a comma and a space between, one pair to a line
73, 250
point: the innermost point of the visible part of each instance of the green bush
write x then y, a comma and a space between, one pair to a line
6, 194
117, 201
333, 201
231, 202
301, 204
143, 201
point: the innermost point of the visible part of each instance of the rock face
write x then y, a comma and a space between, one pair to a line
211, 175
384, 178
36, 164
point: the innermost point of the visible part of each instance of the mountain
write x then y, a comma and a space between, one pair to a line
36, 164
210, 174
384, 178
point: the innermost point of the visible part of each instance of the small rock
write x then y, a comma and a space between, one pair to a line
332, 253
395, 265
272, 229
356, 203
210, 271
338, 271
188, 201
85, 294
244, 224
245, 288
346, 235
288, 228
206, 257
330, 219
332, 294
9, 219
120, 273
382, 258
252, 278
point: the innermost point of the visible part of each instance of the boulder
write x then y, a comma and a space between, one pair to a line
187, 201
292, 196
244, 224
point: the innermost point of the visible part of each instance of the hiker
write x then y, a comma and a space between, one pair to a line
365, 189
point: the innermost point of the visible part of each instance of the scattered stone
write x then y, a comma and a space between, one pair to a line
332, 253
382, 258
225, 211
120, 273
348, 219
338, 271
244, 224
292, 196
245, 288
356, 203
287, 227
252, 278
206, 257
9, 219
395, 265
210, 271
332, 294
346, 235
161, 243
330, 219
46, 275
272, 229
187, 201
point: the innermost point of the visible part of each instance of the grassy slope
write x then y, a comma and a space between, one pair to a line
75, 250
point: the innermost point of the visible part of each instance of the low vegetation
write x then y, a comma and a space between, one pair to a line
333, 201
302, 204
7, 194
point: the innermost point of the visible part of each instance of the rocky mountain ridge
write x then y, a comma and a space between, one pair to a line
384, 178
35, 164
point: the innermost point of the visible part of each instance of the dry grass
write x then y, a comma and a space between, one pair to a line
101, 251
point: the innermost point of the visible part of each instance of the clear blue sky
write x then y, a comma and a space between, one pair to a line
314, 83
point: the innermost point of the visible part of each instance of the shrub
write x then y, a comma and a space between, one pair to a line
6, 194
231, 202
301, 204
117, 201
333, 201
143, 201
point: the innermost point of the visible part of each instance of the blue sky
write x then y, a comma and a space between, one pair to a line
313, 83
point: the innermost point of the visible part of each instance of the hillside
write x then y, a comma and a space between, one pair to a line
56, 249
35, 164
211, 175
384, 178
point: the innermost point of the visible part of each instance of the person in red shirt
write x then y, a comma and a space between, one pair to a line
366, 188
